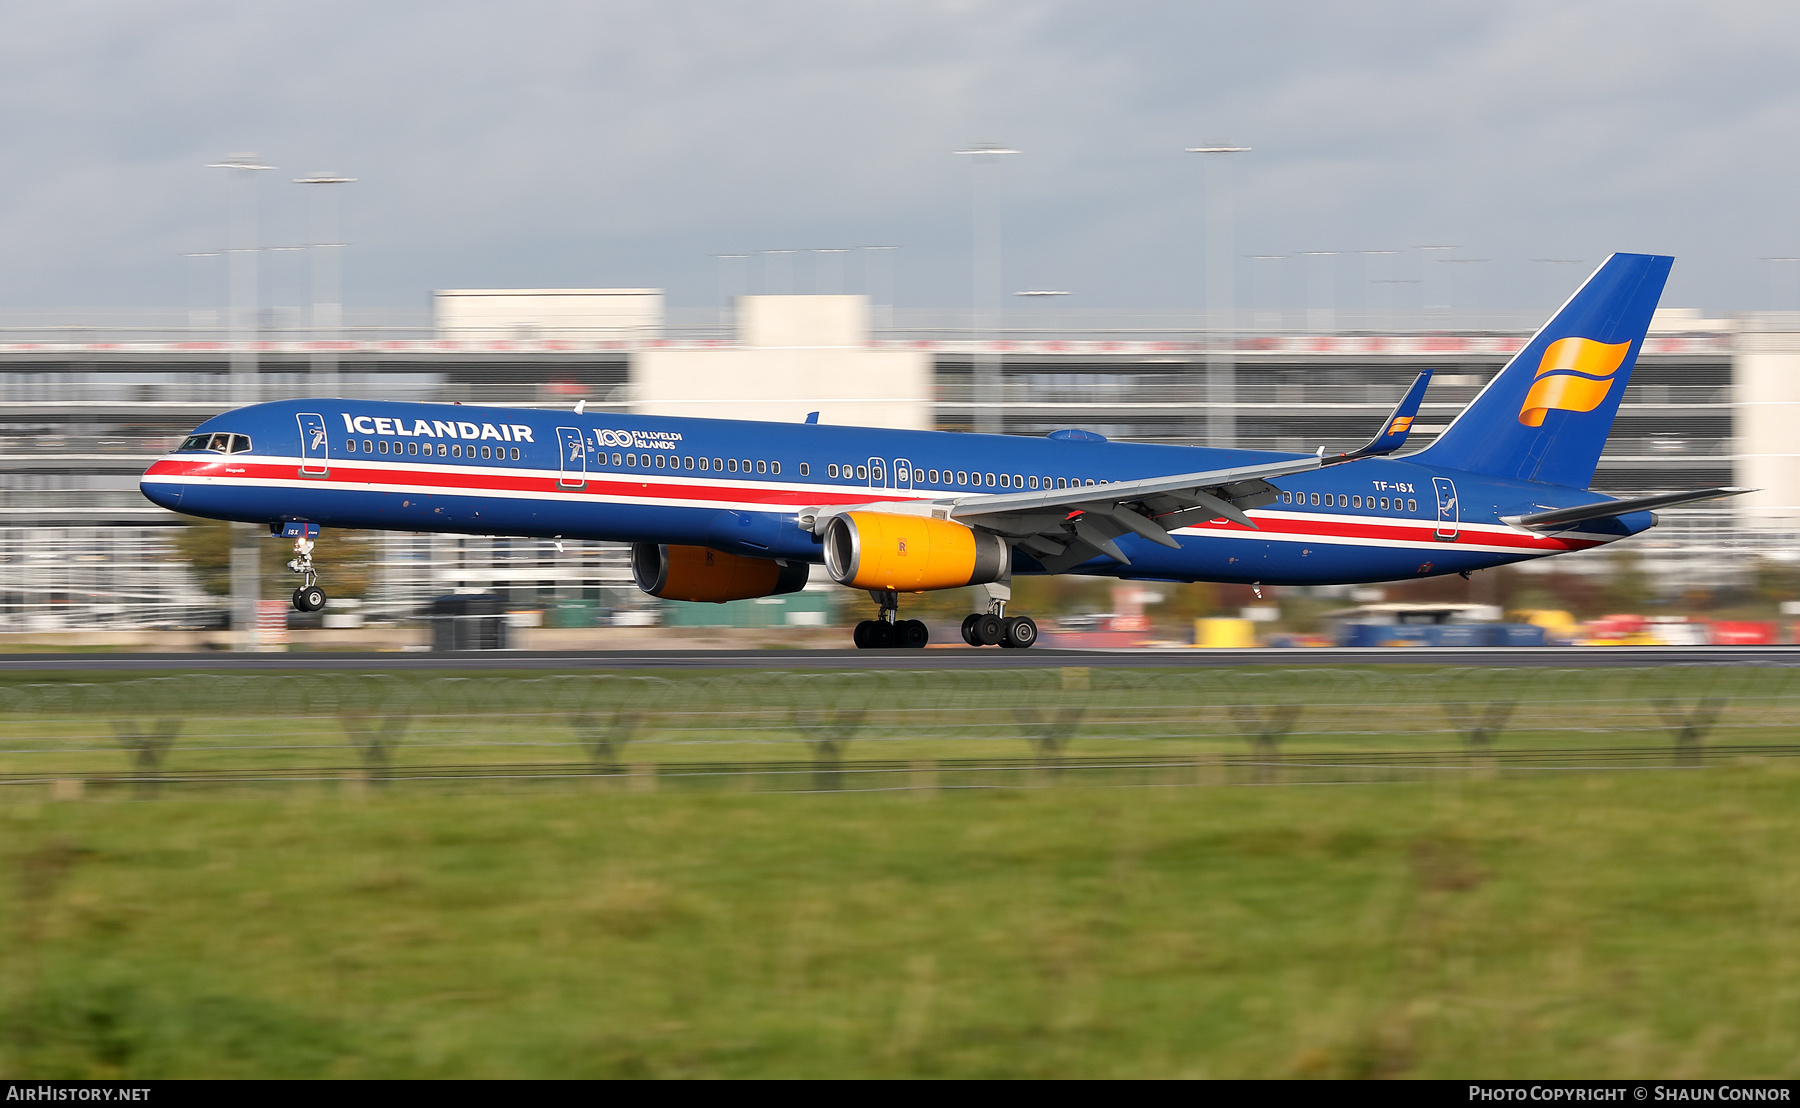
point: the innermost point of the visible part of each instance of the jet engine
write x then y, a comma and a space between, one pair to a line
881, 550
702, 573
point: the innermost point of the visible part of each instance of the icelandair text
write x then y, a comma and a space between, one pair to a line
435, 429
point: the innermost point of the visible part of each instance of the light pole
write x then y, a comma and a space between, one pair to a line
1470, 296
1425, 305
768, 269
1041, 296
1321, 289
984, 267
328, 307
1386, 321
1221, 367
878, 275
828, 269
730, 290
246, 584
241, 247
1265, 292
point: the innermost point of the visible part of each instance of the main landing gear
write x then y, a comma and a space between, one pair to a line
887, 629
993, 629
309, 597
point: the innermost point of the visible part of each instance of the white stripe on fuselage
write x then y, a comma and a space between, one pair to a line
576, 496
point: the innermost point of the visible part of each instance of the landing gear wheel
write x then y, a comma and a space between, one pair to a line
860, 636
1019, 633
880, 635
911, 633
299, 601
312, 598
989, 628
968, 629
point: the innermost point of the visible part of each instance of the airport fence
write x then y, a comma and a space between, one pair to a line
900, 729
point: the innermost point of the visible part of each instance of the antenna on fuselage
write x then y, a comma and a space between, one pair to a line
579, 405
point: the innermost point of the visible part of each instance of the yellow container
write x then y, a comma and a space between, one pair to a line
1224, 633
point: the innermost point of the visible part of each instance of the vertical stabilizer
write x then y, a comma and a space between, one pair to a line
1546, 416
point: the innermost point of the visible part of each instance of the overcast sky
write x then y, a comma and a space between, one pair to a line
532, 144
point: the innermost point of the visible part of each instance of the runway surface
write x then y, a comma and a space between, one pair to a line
1560, 657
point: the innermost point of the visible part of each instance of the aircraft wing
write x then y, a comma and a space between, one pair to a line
1064, 527
1558, 518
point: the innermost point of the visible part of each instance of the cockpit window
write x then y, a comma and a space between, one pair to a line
219, 442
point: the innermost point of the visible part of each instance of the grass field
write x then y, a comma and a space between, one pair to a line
1288, 873
1632, 923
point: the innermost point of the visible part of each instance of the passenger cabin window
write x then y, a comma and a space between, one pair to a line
775, 467
831, 470
1412, 505
805, 469
731, 464
862, 473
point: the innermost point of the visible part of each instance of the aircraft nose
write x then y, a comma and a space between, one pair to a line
164, 494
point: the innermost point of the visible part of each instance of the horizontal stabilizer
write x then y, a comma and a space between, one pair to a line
1392, 435
1560, 517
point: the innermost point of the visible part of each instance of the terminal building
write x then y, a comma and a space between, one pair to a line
89, 399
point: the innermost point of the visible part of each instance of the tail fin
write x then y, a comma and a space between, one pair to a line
1546, 416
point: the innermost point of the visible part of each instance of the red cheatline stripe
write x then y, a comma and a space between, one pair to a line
477, 482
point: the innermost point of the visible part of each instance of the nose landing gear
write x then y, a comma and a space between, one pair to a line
309, 597
887, 629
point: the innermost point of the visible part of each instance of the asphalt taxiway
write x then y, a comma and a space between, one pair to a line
1557, 657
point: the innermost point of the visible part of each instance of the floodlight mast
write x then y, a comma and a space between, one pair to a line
241, 248
246, 586
1221, 366
989, 406
328, 307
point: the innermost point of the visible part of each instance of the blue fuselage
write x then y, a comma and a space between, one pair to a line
741, 486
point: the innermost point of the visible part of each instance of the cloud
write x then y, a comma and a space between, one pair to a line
545, 143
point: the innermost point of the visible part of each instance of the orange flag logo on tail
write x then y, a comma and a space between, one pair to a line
1574, 376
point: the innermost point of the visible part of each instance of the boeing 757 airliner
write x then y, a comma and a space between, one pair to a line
721, 510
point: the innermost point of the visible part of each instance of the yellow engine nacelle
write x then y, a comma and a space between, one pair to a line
704, 574
880, 550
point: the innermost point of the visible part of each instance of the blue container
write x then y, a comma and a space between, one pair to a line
1464, 634
1407, 634
1519, 634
